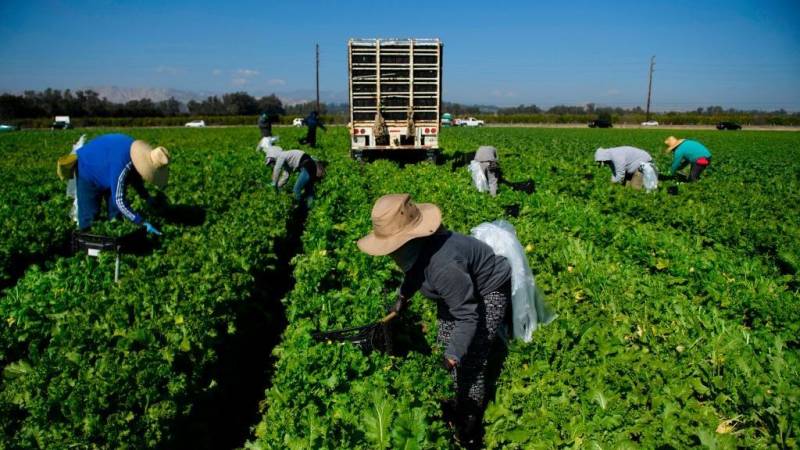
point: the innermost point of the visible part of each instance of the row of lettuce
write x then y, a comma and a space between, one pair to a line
89, 363
678, 313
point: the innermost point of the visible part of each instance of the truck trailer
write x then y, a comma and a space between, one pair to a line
395, 96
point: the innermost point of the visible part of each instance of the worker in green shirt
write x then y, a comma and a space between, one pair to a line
688, 151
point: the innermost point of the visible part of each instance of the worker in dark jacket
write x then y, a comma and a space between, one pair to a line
688, 151
107, 165
470, 284
312, 122
265, 125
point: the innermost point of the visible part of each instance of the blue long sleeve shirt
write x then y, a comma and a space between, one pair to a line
689, 150
106, 162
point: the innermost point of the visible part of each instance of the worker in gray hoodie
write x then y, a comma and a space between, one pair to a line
487, 157
309, 171
625, 163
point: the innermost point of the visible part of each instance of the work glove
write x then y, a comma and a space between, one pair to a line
399, 305
151, 229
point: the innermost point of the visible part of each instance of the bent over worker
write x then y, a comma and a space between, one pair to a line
470, 284
625, 163
688, 151
309, 171
487, 157
107, 165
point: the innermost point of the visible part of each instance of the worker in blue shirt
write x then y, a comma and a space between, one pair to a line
110, 163
312, 122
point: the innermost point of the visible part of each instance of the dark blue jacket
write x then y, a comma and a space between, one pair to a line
105, 161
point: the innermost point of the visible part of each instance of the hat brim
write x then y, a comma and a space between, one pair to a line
431, 220
673, 147
140, 156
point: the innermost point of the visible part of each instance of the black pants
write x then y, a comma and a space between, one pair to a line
697, 169
311, 137
266, 130
470, 375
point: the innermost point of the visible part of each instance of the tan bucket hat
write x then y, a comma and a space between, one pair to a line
672, 142
396, 219
151, 163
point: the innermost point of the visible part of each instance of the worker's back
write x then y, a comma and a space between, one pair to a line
102, 159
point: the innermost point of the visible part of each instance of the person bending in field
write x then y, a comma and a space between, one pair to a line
487, 157
625, 163
107, 165
312, 122
685, 152
309, 171
470, 284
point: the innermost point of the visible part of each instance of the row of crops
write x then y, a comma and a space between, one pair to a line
91, 363
678, 314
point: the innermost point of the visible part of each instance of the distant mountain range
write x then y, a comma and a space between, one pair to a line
118, 94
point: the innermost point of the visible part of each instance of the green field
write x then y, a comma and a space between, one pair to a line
678, 319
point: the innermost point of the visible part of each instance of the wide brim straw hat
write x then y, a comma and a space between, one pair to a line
151, 163
672, 142
396, 219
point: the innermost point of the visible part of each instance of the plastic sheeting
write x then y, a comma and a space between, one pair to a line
478, 177
650, 177
528, 307
72, 184
266, 143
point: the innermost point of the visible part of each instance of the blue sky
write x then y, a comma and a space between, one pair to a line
733, 53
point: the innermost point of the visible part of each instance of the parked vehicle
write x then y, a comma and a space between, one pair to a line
600, 123
61, 123
196, 124
447, 120
7, 127
728, 126
395, 96
471, 122
298, 122
650, 123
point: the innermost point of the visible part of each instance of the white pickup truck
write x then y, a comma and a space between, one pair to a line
469, 122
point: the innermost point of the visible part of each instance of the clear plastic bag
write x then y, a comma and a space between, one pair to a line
650, 177
266, 143
72, 185
72, 191
528, 307
79, 143
478, 177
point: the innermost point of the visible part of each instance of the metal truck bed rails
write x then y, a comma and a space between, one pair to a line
395, 94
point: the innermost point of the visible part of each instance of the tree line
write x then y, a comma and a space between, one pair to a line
88, 104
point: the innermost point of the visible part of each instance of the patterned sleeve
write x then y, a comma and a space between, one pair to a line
118, 194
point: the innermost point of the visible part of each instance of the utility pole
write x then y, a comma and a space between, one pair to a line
648, 101
650, 85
